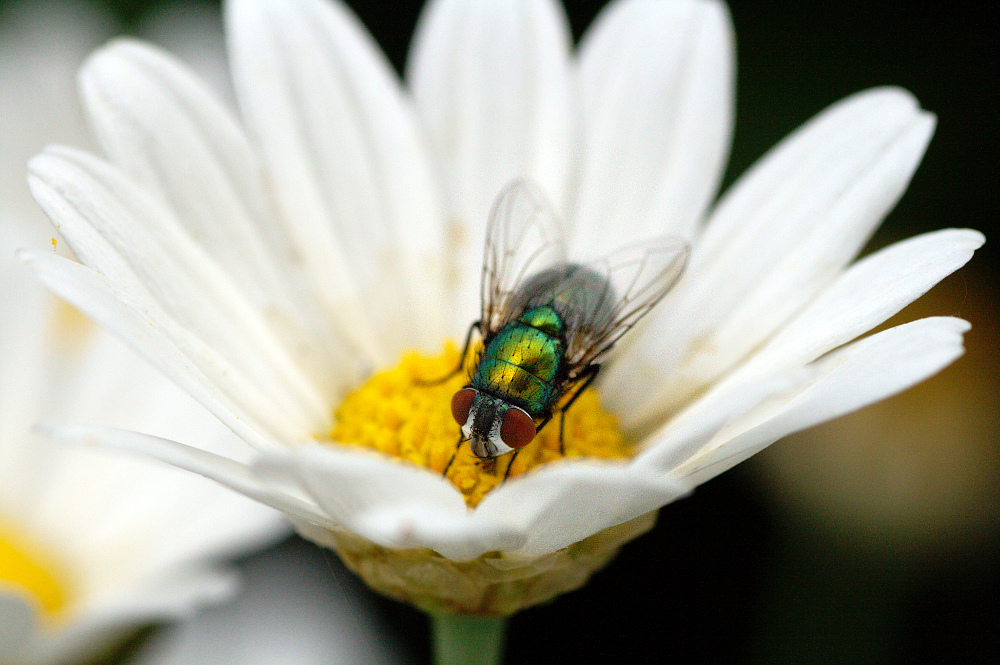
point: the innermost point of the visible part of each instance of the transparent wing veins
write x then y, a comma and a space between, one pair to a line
641, 275
522, 237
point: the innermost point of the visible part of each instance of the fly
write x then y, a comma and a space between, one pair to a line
547, 324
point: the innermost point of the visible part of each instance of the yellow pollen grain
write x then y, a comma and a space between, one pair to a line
27, 569
405, 412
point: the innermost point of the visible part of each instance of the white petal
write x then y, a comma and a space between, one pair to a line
819, 164
492, 82
224, 471
348, 165
692, 428
457, 537
561, 504
865, 295
868, 293
113, 618
172, 349
129, 238
388, 502
834, 239
351, 486
174, 517
168, 349
777, 238
132, 395
855, 376
176, 596
168, 133
531, 516
657, 83
105, 620
97, 500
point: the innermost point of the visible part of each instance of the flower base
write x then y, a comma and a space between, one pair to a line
493, 585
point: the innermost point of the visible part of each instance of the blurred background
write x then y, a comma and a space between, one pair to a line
869, 539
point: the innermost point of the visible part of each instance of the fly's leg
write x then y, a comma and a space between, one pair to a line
476, 325
587, 376
444, 474
506, 474
562, 427
461, 360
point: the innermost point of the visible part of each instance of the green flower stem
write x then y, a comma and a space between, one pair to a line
464, 640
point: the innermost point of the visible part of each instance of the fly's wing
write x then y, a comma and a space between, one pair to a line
523, 237
633, 279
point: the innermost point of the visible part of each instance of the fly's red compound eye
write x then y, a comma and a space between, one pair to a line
461, 404
517, 429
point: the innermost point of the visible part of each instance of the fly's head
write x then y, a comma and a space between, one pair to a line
492, 426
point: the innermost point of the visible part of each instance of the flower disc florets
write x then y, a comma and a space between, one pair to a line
403, 412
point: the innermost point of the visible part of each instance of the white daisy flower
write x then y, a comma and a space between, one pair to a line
92, 547
273, 267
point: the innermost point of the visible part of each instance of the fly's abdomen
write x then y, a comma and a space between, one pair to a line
520, 365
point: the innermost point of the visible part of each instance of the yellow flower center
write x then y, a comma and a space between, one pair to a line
27, 568
405, 412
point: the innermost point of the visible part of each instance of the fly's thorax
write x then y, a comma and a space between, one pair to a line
521, 365
544, 319
572, 292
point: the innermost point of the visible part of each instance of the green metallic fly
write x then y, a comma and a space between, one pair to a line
546, 323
